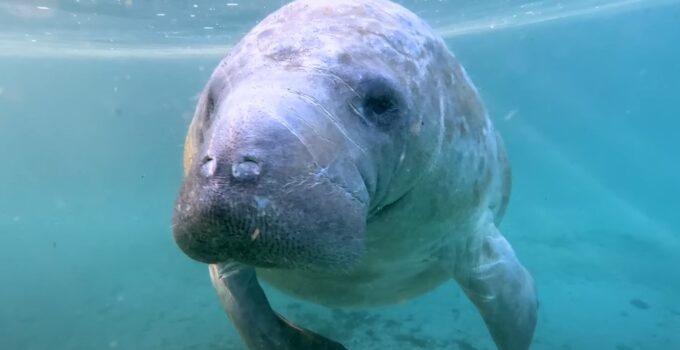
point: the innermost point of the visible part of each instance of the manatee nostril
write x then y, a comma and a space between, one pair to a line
248, 169
208, 166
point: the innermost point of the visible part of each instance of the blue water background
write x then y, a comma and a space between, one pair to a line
90, 163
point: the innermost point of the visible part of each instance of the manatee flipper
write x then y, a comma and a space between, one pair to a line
500, 287
248, 308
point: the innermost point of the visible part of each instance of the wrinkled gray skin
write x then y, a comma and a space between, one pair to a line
340, 153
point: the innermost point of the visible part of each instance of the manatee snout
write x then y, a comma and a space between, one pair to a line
256, 193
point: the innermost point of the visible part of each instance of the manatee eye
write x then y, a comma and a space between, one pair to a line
205, 115
380, 104
213, 94
209, 107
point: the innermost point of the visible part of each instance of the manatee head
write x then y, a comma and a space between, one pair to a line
321, 117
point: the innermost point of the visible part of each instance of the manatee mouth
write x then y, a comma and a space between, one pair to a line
234, 231
310, 227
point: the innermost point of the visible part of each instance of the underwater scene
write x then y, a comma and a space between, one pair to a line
106, 225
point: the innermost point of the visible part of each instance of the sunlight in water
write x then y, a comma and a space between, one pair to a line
540, 12
466, 19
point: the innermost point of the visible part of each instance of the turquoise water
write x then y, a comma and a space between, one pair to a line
92, 121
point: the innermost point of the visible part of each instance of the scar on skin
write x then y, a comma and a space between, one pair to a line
255, 234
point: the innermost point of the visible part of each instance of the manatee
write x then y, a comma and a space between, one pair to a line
340, 153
